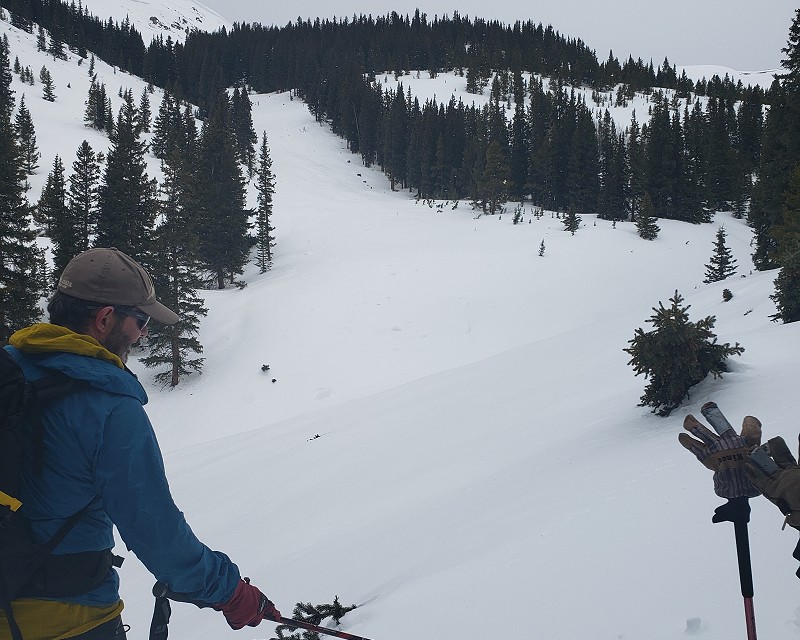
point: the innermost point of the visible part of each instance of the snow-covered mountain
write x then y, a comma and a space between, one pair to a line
452, 438
175, 18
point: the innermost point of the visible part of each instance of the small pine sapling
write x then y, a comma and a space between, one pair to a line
313, 615
722, 264
676, 355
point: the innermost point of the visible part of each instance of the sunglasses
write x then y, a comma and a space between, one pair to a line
141, 318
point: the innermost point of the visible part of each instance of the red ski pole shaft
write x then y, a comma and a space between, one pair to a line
299, 624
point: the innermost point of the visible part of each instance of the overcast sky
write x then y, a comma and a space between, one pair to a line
746, 35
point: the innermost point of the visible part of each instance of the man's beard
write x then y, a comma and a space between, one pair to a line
118, 343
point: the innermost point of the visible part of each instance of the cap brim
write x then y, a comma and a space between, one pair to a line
159, 312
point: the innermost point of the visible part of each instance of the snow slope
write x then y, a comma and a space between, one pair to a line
153, 18
482, 466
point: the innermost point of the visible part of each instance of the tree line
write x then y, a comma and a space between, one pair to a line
192, 230
702, 147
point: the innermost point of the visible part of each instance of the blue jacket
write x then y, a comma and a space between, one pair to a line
100, 450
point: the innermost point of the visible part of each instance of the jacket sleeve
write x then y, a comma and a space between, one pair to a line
133, 486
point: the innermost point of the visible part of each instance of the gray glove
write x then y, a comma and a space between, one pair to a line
780, 485
725, 455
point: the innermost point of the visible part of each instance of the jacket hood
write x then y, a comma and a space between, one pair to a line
79, 356
47, 338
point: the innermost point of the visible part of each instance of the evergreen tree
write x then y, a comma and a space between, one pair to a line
96, 114
676, 355
787, 235
144, 112
583, 167
572, 221
19, 292
21, 21
175, 269
64, 229
83, 194
27, 138
41, 39
792, 50
780, 153
265, 185
164, 126
313, 614
646, 225
493, 183
52, 205
242, 122
636, 162
224, 240
722, 264
518, 161
56, 46
127, 198
47, 80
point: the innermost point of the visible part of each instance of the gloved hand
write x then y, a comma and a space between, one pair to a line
781, 487
247, 607
725, 455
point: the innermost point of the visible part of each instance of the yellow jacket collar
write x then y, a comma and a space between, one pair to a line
47, 338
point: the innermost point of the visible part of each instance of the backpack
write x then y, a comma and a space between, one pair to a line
27, 568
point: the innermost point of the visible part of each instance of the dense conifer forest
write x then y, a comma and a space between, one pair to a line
706, 146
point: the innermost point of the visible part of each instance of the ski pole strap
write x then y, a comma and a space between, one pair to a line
159, 625
162, 592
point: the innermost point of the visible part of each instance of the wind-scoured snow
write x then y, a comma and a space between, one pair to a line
452, 438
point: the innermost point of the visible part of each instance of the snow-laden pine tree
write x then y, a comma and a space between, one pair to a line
722, 264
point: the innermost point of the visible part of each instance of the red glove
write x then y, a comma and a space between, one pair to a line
247, 607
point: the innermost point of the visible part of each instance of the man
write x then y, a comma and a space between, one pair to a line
102, 461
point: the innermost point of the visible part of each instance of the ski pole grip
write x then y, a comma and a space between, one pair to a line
162, 590
715, 418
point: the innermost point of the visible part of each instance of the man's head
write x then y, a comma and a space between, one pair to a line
108, 295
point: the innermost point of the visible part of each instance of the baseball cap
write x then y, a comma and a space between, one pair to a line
109, 276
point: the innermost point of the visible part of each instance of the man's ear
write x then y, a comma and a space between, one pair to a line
101, 324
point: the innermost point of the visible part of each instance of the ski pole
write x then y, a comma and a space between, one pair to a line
736, 510
745, 573
299, 624
161, 590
